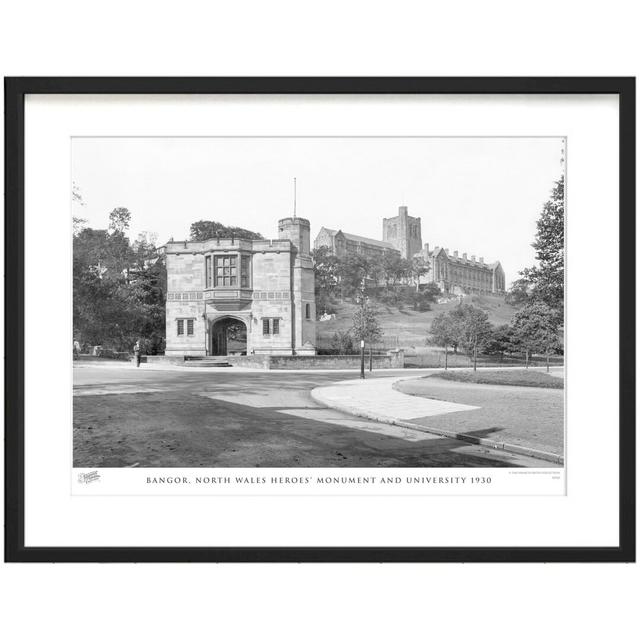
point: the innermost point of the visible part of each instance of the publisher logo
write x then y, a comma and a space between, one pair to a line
90, 476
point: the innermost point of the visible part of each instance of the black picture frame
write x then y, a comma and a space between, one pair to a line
15, 91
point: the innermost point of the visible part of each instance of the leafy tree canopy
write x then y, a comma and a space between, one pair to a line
206, 229
119, 220
119, 288
535, 327
365, 324
445, 331
545, 281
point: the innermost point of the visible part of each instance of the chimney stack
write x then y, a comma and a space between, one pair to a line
473, 258
426, 248
464, 255
481, 260
446, 251
455, 253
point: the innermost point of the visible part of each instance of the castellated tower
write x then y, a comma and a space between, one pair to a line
303, 308
403, 232
298, 230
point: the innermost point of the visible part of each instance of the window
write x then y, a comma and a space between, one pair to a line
245, 270
270, 326
225, 269
307, 311
180, 326
207, 272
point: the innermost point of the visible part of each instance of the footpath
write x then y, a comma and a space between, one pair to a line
379, 400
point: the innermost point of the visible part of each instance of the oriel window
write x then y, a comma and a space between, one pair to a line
245, 272
208, 272
225, 269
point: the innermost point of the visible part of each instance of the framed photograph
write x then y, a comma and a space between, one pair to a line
320, 319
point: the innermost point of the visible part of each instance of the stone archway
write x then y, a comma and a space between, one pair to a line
228, 336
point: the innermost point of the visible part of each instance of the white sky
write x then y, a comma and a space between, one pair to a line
481, 196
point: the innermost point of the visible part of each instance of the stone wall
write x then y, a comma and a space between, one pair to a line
392, 360
330, 362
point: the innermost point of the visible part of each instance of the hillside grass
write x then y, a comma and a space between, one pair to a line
407, 328
509, 377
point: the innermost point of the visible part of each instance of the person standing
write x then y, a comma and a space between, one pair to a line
136, 352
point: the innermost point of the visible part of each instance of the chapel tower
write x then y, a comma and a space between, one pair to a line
403, 232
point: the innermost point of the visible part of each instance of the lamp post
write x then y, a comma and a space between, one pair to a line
363, 301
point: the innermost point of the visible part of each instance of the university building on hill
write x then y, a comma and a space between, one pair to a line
342, 244
456, 274
402, 235
257, 294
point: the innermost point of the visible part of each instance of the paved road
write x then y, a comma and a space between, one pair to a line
125, 416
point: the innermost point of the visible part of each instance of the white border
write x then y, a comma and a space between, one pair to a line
53, 517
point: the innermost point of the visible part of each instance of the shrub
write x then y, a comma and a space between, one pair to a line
342, 343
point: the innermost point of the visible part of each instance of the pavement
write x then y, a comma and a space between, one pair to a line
231, 417
497, 417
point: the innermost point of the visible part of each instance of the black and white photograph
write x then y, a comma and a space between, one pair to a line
347, 325
318, 302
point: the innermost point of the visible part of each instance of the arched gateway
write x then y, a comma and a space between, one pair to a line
228, 336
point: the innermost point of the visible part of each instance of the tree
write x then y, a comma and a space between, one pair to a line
77, 202
431, 292
365, 324
501, 340
78, 225
474, 330
366, 327
206, 229
519, 292
393, 268
325, 268
342, 343
445, 332
351, 271
418, 267
536, 328
119, 289
546, 279
76, 195
119, 220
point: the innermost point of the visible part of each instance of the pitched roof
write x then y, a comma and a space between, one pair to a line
355, 238
377, 243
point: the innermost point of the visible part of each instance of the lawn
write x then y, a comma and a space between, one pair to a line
407, 328
526, 416
510, 377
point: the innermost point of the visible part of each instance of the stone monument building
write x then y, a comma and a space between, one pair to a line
231, 295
